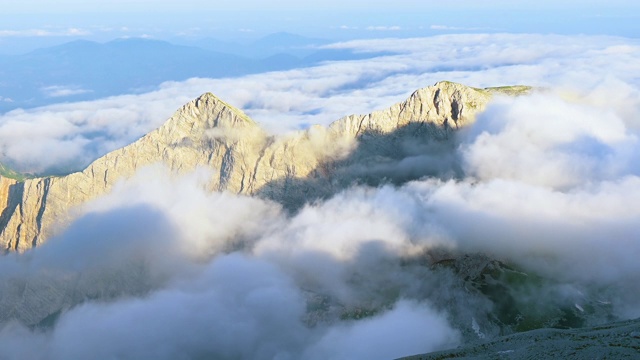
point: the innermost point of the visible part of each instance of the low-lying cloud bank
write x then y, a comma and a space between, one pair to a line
199, 275
160, 268
66, 137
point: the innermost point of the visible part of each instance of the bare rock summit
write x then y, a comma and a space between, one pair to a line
290, 168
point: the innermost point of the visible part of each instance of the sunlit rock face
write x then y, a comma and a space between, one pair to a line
291, 169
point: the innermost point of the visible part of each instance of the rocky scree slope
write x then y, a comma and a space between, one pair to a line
290, 169
620, 340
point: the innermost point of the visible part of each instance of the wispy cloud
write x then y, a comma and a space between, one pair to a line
446, 27
347, 27
44, 32
384, 28
236, 299
62, 91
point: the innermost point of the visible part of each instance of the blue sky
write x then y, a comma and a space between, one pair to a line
169, 5
237, 20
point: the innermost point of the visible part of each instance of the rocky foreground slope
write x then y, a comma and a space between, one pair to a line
290, 169
612, 341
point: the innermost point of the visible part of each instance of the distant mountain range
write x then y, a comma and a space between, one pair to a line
274, 44
85, 70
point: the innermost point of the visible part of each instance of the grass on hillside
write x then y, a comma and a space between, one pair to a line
9, 173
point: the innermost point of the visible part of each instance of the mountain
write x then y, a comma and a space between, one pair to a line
618, 340
82, 70
406, 141
86, 70
272, 44
290, 169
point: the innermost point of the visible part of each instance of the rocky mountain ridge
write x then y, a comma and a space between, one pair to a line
207, 131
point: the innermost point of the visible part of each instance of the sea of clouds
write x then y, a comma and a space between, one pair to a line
159, 268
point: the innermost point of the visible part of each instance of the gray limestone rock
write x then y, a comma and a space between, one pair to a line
290, 169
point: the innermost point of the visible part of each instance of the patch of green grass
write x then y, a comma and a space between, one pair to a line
513, 90
7, 172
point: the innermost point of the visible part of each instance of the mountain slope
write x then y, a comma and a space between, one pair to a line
290, 169
612, 341
83, 70
86, 70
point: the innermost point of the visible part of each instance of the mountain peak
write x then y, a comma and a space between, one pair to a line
216, 112
209, 132
445, 84
204, 113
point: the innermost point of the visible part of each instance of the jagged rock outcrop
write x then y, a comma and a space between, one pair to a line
246, 160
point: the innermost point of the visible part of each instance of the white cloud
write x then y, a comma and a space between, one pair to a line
407, 329
44, 32
446, 27
384, 28
62, 91
565, 142
166, 234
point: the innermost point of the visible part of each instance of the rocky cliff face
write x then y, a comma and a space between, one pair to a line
290, 169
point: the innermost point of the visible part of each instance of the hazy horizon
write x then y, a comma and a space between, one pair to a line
334, 20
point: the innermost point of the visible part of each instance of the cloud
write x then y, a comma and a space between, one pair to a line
566, 142
407, 329
571, 166
446, 27
193, 284
69, 136
62, 91
242, 302
547, 186
44, 32
383, 28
